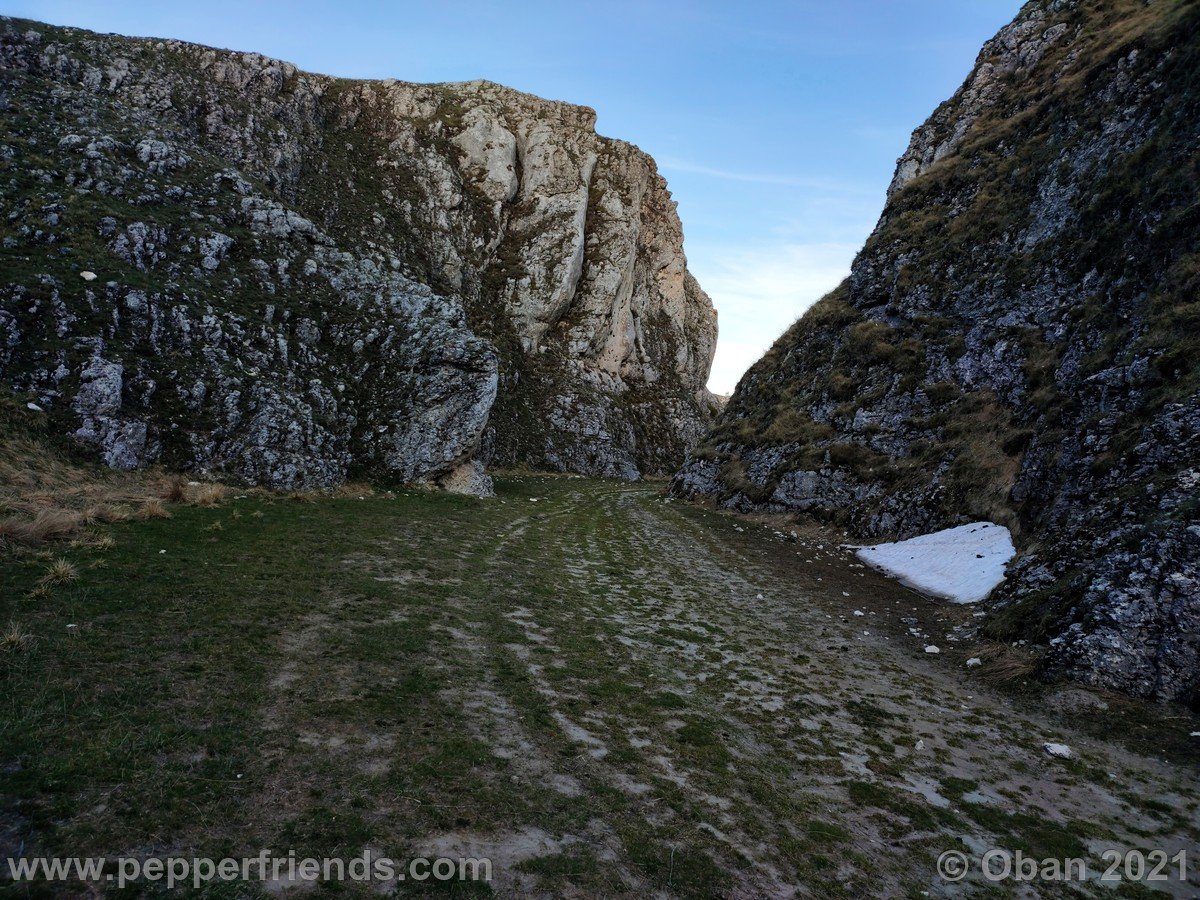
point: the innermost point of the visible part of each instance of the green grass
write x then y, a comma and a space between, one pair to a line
159, 697
326, 676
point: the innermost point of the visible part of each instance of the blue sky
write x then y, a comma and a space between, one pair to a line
777, 124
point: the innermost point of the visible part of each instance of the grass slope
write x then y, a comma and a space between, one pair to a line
652, 697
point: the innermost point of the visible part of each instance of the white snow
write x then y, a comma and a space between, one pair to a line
960, 564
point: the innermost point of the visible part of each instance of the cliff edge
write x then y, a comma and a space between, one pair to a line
1019, 341
218, 262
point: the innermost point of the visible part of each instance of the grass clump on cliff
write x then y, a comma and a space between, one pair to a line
49, 492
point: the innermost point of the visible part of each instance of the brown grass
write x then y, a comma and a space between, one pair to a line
93, 540
46, 525
60, 571
206, 494
43, 498
102, 514
1004, 663
46, 495
14, 639
152, 508
175, 490
353, 489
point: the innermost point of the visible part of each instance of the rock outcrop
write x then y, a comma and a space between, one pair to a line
1019, 341
221, 263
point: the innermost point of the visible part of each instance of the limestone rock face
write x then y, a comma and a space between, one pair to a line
296, 278
1018, 342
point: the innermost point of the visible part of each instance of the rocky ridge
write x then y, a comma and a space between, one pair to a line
1017, 342
218, 262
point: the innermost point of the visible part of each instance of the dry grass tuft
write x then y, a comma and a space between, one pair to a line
152, 508
93, 541
353, 489
60, 571
15, 639
40, 481
47, 524
175, 490
106, 514
46, 494
118, 513
206, 494
1004, 663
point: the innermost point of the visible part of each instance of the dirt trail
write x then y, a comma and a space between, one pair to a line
695, 681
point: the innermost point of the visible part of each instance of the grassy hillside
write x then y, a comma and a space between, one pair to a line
678, 705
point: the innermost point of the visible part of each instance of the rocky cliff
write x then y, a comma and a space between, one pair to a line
221, 263
1019, 340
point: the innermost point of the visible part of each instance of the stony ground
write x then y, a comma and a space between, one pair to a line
605, 692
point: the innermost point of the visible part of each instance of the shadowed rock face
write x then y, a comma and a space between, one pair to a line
216, 261
1019, 341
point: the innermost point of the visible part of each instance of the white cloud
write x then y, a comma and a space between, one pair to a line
759, 292
819, 184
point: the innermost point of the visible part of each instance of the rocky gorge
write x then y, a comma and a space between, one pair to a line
363, 510
217, 262
1017, 342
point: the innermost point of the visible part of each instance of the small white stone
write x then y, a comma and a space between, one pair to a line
33, 406
973, 662
932, 648
859, 612
1060, 751
88, 276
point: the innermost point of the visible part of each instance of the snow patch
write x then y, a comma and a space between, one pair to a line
960, 564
